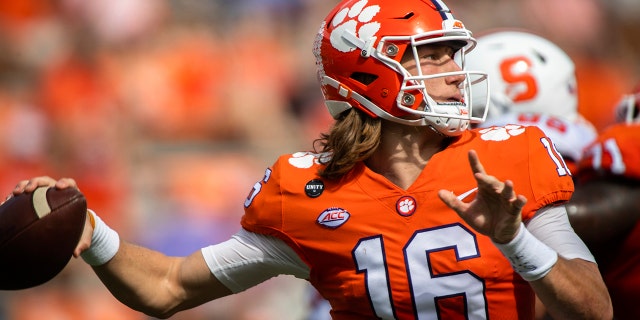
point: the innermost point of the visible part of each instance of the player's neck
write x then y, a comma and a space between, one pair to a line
404, 152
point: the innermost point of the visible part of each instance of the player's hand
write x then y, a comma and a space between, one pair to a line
85, 239
44, 181
496, 210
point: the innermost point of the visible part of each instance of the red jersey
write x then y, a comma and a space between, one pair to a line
616, 152
376, 250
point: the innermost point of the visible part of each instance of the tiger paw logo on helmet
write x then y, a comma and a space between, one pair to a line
358, 21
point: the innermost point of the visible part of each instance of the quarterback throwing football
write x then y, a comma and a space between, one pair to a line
393, 215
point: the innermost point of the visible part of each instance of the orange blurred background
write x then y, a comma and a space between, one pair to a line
167, 112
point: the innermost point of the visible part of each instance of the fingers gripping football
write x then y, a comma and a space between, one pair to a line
40, 226
35, 183
44, 181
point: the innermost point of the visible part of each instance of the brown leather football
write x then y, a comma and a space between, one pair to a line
38, 233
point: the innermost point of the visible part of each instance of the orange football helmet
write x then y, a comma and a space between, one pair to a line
358, 51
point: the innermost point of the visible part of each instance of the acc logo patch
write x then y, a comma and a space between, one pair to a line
333, 217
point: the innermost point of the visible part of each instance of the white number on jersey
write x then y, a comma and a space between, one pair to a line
369, 254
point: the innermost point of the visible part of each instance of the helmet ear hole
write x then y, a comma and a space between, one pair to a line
364, 78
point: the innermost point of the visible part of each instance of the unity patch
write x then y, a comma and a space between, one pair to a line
314, 188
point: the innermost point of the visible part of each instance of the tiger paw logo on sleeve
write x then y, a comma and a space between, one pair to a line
501, 133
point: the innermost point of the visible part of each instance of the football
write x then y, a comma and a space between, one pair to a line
38, 233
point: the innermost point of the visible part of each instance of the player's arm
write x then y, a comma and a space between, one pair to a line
569, 288
159, 285
574, 289
156, 284
575, 268
143, 279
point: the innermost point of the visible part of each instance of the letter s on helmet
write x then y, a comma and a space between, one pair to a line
358, 51
528, 74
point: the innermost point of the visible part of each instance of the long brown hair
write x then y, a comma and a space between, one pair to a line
352, 138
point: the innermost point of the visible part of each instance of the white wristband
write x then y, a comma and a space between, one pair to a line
529, 257
105, 242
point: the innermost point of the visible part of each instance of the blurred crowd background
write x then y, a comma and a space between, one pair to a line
167, 112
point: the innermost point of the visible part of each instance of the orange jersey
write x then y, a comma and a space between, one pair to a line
376, 250
616, 152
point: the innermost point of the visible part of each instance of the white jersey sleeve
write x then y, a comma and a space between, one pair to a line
551, 226
248, 259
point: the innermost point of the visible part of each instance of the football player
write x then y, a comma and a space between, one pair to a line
533, 82
605, 210
394, 215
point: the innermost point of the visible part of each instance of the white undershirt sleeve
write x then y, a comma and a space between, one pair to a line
248, 259
551, 226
